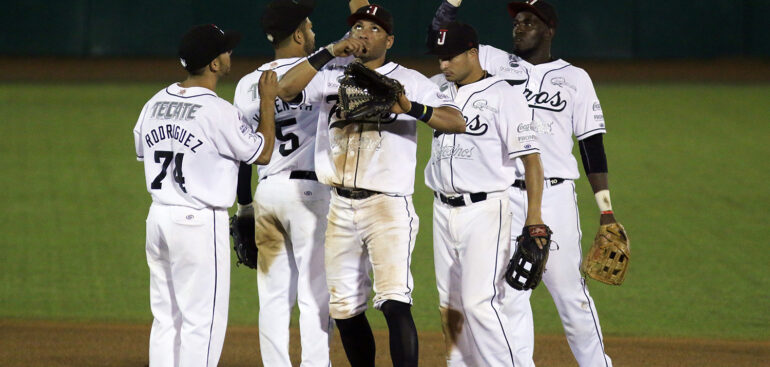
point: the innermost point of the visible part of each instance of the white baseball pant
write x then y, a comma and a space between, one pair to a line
471, 249
188, 253
291, 222
378, 234
562, 276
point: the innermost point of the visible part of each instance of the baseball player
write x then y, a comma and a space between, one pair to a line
193, 142
471, 175
291, 205
372, 223
564, 103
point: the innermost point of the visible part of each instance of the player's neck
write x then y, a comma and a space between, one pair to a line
475, 75
540, 55
374, 63
293, 50
208, 81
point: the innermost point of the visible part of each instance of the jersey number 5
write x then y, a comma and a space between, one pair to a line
291, 138
178, 177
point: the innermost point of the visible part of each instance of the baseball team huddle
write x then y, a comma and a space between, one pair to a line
333, 132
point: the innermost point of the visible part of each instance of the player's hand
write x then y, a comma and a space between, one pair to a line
402, 105
348, 46
533, 221
268, 86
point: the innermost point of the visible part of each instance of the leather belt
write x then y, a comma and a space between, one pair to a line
303, 175
460, 199
356, 194
519, 184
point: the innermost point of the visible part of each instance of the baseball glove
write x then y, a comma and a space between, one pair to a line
607, 260
528, 262
366, 95
244, 244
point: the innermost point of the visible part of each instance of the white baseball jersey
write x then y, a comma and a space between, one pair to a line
563, 102
295, 123
193, 141
379, 157
483, 158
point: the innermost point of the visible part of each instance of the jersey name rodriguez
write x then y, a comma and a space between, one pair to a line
482, 159
373, 156
193, 142
295, 122
563, 102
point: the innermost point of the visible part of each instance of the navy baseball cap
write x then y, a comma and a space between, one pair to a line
374, 13
543, 10
282, 17
203, 43
453, 39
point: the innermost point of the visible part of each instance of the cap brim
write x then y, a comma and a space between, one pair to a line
232, 39
353, 18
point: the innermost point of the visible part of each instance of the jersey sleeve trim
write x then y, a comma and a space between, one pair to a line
258, 151
591, 133
520, 153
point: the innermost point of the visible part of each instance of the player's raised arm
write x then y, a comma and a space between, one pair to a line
268, 89
295, 80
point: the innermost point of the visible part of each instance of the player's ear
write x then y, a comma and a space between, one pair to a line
298, 37
389, 42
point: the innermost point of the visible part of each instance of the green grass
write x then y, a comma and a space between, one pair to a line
686, 174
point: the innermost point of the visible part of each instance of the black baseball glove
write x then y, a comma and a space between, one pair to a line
528, 262
244, 244
366, 95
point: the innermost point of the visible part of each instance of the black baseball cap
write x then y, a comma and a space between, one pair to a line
545, 11
203, 43
453, 39
282, 17
374, 13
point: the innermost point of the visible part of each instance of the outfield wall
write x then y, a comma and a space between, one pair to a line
617, 29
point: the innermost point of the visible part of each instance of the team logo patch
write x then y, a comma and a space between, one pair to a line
561, 82
482, 104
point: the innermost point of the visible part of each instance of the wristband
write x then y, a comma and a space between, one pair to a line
603, 201
245, 210
320, 58
420, 111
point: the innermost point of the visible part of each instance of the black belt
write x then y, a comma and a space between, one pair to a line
460, 200
303, 175
355, 193
519, 184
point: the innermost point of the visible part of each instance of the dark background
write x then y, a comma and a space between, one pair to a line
600, 29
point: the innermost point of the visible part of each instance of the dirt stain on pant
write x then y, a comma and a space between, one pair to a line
452, 323
270, 237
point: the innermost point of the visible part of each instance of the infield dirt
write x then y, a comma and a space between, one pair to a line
59, 344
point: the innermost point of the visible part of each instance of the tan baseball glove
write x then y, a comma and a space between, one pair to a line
607, 260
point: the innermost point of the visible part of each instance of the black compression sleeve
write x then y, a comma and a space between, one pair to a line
244, 184
592, 153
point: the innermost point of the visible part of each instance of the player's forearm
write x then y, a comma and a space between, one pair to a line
447, 119
267, 129
295, 80
533, 178
357, 4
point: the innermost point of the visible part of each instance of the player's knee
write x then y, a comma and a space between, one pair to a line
396, 309
345, 309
